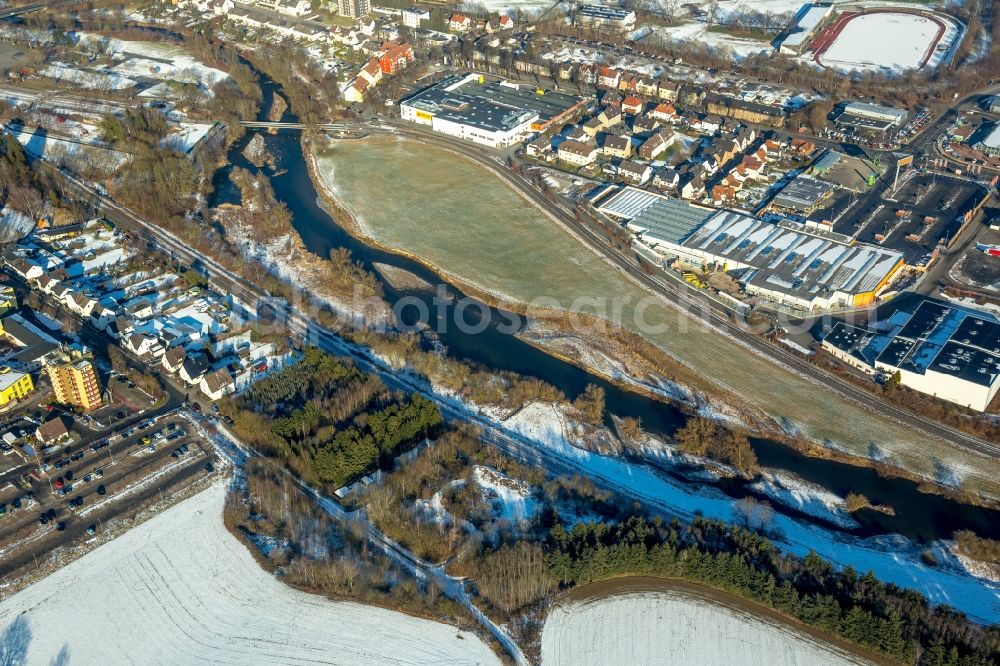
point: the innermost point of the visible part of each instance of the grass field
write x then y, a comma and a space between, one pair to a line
454, 214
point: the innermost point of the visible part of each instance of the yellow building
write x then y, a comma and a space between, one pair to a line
14, 385
8, 301
75, 383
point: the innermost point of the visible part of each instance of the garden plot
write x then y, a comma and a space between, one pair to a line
181, 589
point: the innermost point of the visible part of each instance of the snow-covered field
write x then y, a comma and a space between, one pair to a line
884, 41
56, 149
181, 589
646, 628
156, 60
697, 32
511, 6
893, 558
93, 79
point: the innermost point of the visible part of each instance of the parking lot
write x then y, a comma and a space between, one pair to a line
88, 483
924, 209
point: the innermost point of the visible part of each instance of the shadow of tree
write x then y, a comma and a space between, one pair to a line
14, 642
61, 658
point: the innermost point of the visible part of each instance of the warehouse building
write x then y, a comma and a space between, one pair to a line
945, 351
600, 16
871, 116
786, 263
489, 111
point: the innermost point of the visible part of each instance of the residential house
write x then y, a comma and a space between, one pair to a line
693, 188
646, 87
666, 178
655, 145
665, 113
194, 368
577, 153
723, 194
396, 57
102, 316
803, 147
668, 91
82, 304
644, 124
52, 431
608, 77
593, 126
460, 23
707, 124
120, 328
610, 116
617, 146
174, 359
371, 72
217, 384
354, 93
612, 99
28, 270
143, 345
414, 16
538, 146
628, 83
631, 105
635, 173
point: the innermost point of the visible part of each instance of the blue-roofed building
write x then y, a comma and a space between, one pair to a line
949, 352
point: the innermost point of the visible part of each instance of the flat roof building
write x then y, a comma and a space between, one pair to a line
803, 27
787, 262
990, 143
489, 111
949, 352
801, 195
790, 264
872, 116
602, 15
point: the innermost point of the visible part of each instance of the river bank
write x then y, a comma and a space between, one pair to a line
799, 415
638, 370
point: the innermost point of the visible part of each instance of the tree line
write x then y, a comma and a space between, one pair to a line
896, 622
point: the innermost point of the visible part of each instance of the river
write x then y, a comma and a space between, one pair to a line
937, 518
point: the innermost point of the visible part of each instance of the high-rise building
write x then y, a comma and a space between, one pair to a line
354, 8
75, 383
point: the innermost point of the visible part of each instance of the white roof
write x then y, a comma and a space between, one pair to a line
9, 378
992, 140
